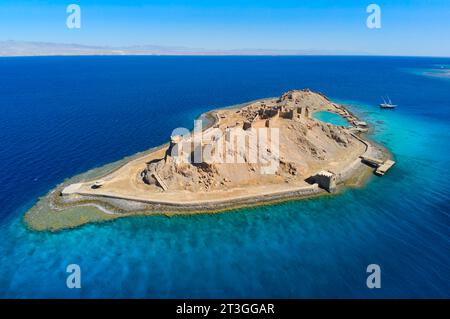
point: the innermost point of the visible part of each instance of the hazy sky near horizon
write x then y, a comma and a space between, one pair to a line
409, 27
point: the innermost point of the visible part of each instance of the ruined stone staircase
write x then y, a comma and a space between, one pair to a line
160, 181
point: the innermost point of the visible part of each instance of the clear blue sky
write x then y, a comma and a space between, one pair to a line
409, 27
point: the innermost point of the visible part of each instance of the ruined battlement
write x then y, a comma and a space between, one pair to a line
326, 180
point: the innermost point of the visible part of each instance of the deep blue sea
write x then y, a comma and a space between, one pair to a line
61, 116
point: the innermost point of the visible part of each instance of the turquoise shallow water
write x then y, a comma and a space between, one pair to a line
55, 125
330, 117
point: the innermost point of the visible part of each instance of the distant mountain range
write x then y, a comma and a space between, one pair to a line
24, 48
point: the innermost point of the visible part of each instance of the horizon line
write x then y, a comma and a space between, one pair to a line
19, 48
224, 55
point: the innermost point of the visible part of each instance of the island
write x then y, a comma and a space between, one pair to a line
258, 153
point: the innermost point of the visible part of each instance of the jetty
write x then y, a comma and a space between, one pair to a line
381, 166
382, 169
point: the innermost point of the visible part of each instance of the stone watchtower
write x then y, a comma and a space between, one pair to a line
174, 140
301, 113
326, 180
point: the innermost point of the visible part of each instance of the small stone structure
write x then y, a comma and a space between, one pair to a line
300, 113
174, 140
326, 180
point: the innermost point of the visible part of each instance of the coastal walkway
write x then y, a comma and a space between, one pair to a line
217, 202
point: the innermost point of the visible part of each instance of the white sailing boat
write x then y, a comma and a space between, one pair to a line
387, 104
